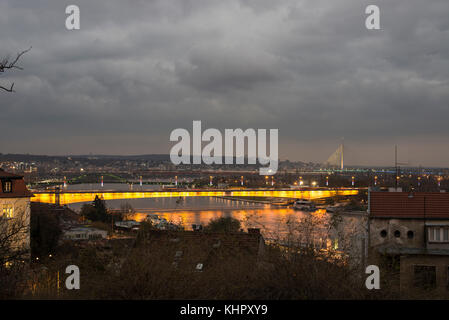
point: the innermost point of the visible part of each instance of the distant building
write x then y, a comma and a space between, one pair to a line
412, 228
69, 221
127, 225
15, 213
84, 233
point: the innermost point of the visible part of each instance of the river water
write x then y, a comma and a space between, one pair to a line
273, 221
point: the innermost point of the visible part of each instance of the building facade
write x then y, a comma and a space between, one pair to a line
413, 229
14, 217
84, 233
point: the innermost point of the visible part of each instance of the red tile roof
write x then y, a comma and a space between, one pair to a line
433, 205
19, 188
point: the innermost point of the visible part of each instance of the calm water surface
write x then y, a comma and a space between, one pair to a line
271, 220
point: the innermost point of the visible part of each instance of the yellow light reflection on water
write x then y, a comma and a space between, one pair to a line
74, 197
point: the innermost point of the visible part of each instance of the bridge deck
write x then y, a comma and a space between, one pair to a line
67, 197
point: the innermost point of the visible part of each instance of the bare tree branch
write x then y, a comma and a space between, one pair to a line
11, 89
6, 64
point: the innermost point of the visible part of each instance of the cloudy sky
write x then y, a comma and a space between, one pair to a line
138, 69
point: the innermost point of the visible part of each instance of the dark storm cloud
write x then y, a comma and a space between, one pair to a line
220, 69
138, 69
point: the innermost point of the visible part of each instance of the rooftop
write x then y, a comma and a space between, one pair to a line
17, 187
429, 205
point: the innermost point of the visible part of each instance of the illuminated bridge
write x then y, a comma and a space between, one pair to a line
68, 197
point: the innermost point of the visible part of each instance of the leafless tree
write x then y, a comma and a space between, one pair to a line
8, 64
14, 249
14, 237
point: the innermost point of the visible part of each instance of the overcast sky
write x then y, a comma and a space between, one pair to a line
138, 69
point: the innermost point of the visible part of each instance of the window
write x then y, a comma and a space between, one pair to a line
425, 277
397, 233
438, 234
410, 234
7, 211
383, 233
7, 186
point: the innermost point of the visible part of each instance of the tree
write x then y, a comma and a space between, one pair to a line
96, 211
126, 211
224, 224
14, 244
7, 64
14, 248
45, 233
88, 212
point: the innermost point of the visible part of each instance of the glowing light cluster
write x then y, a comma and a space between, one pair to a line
74, 197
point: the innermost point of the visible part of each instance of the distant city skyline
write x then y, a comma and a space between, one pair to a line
309, 68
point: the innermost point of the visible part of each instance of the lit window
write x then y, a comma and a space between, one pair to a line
7, 211
7, 186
